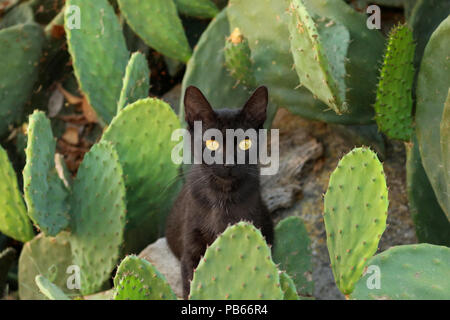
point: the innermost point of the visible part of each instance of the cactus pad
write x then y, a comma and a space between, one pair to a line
432, 90
293, 253
45, 194
394, 95
141, 134
136, 83
238, 265
158, 24
138, 279
319, 50
14, 220
417, 272
288, 287
355, 212
197, 8
45, 256
98, 210
99, 54
49, 289
445, 144
21, 46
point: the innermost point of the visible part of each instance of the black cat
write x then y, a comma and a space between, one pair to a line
217, 195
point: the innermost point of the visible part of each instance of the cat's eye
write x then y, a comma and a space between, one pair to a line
212, 145
245, 144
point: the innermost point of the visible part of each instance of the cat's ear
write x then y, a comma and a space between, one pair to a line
197, 108
255, 110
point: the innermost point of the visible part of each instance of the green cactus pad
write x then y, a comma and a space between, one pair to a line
138, 279
19, 15
98, 210
49, 289
136, 83
394, 95
158, 24
45, 194
141, 134
445, 144
99, 54
288, 287
238, 265
7, 258
319, 50
45, 256
21, 46
292, 252
237, 58
355, 212
432, 89
417, 272
14, 220
197, 8
430, 221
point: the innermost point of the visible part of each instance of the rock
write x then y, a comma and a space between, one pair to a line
160, 255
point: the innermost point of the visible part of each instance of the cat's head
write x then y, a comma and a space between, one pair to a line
251, 116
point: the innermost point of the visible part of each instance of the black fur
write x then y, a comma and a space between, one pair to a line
216, 195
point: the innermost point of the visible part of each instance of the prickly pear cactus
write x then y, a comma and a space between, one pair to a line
98, 211
445, 144
319, 49
430, 221
45, 194
237, 58
136, 83
417, 272
197, 8
14, 220
292, 252
99, 53
288, 287
394, 95
432, 89
158, 24
18, 15
21, 46
141, 134
355, 212
138, 279
45, 256
238, 265
49, 289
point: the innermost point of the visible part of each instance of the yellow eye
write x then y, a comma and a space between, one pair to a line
245, 144
212, 145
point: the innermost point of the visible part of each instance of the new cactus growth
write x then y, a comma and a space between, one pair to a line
238, 58
45, 194
432, 91
136, 82
238, 265
149, 18
14, 220
417, 272
49, 289
99, 53
197, 8
394, 95
293, 254
138, 279
355, 212
141, 134
98, 216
